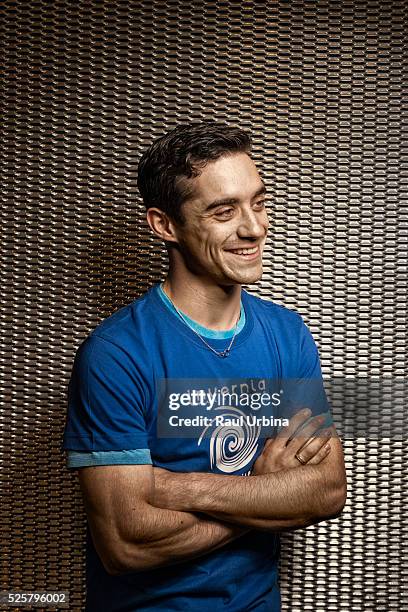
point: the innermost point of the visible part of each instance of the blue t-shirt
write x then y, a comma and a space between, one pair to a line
112, 417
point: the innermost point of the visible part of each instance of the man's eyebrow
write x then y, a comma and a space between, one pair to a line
222, 201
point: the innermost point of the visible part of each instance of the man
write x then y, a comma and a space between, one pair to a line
177, 523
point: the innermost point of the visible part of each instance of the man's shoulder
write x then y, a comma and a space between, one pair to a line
270, 309
125, 327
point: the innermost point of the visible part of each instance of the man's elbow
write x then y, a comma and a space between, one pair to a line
127, 557
113, 565
334, 504
116, 562
117, 556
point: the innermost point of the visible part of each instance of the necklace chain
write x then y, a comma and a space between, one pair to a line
223, 353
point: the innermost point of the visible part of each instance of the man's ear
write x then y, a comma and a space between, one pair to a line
161, 224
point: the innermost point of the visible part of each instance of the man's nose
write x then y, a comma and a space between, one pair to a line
252, 224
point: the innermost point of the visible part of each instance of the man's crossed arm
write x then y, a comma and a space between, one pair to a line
280, 495
143, 517
131, 534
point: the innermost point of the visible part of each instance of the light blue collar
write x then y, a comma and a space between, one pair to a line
203, 331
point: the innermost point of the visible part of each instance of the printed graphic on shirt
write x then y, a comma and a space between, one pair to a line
227, 418
232, 446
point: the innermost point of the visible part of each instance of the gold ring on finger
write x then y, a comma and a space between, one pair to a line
300, 459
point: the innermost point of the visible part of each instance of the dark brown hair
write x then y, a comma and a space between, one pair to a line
172, 159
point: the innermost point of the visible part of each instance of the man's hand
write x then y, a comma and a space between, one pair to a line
279, 452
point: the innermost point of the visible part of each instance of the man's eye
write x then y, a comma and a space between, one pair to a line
260, 204
224, 213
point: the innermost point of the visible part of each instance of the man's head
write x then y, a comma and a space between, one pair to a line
205, 198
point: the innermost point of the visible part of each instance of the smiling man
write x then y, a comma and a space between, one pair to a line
180, 523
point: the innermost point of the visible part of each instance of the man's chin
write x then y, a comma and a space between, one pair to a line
248, 278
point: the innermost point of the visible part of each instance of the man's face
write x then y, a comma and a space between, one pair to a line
225, 213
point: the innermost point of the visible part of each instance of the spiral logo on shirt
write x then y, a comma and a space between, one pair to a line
232, 446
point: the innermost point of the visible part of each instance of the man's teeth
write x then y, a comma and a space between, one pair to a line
245, 251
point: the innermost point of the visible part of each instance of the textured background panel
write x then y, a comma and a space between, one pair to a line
86, 87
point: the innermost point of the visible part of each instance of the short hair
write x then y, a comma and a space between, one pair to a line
181, 154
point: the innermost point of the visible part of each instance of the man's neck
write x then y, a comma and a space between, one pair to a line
213, 306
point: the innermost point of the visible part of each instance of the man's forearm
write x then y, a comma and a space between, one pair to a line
167, 537
279, 500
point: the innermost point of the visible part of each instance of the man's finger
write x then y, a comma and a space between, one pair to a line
312, 446
311, 429
320, 455
303, 428
268, 442
295, 422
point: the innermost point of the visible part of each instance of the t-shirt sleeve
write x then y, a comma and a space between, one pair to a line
79, 459
306, 388
312, 391
309, 360
107, 400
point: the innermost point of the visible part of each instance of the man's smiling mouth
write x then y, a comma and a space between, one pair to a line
247, 253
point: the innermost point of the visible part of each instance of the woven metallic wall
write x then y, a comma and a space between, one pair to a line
86, 87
